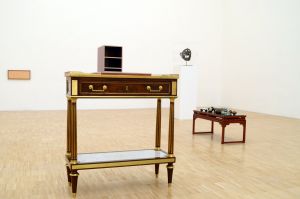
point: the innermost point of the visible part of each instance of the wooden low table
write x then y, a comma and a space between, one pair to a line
223, 120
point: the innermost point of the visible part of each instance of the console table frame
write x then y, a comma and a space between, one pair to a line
79, 161
223, 120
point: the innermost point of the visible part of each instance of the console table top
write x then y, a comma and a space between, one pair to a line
121, 75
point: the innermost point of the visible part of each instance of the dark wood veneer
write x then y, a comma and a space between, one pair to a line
123, 87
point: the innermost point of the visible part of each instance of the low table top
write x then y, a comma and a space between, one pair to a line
214, 115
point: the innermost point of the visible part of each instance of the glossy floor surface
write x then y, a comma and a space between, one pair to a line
32, 148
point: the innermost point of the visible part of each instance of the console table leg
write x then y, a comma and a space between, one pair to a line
212, 126
68, 174
171, 129
68, 154
74, 178
158, 131
156, 169
170, 172
171, 140
73, 131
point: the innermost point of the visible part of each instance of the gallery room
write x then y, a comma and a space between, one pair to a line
150, 99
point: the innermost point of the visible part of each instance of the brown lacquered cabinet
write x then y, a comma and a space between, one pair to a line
110, 59
98, 85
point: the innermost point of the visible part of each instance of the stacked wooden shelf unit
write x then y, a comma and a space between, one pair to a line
99, 85
110, 59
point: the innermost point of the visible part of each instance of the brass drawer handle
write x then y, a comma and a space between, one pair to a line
104, 87
150, 89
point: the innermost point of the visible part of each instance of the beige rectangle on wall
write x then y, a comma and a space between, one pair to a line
18, 74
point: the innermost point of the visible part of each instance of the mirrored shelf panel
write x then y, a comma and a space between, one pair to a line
121, 158
117, 156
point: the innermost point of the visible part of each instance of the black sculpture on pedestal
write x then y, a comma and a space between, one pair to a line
186, 55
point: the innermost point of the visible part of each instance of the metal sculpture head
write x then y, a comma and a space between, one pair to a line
186, 54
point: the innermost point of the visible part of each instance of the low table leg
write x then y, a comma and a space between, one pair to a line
212, 128
194, 125
244, 132
223, 133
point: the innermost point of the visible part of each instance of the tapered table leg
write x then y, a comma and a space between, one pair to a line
68, 150
73, 144
74, 178
171, 140
158, 131
68, 174
73, 131
68, 153
156, 169
170, 172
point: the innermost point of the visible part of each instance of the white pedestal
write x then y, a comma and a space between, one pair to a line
187, 92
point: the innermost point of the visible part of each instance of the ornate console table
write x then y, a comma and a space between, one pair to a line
97, 85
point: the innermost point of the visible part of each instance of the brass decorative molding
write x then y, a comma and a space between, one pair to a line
174, 88
74, 87
121, 164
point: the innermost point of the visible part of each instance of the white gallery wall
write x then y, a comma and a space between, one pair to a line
261, 67
246, 51
51, 37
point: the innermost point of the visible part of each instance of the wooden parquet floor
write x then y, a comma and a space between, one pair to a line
32, 165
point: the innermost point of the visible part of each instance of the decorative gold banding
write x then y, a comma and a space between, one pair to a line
171, 155
121, 164
74, 174
74, 87
157, 149
174, 88
170, 166
73, 162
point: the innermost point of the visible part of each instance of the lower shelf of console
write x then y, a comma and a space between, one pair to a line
120, 159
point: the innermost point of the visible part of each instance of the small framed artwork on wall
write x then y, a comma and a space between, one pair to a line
18, 74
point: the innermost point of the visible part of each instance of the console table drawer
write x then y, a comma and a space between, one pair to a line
112, 88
